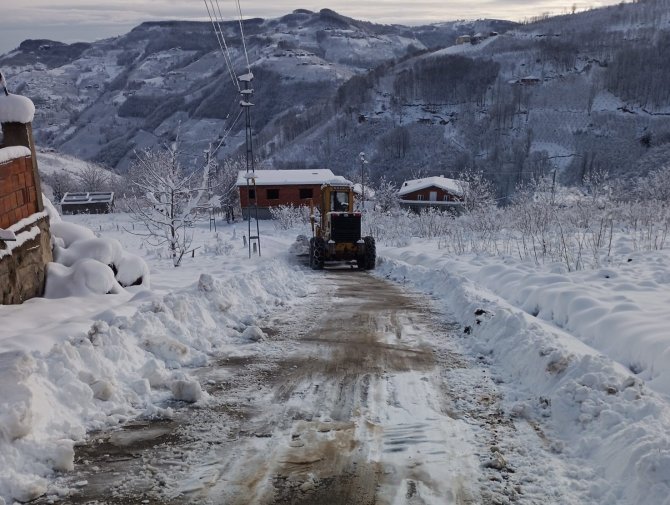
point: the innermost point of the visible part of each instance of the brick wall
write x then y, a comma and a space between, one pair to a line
287, 195
18, 191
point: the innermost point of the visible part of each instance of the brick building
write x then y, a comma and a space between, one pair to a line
284, 187
25, 243
432, 192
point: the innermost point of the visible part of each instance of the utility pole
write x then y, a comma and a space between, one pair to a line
364, 162
252, 193
553, 186
210, 188
3, 83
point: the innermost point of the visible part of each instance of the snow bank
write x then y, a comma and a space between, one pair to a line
619, 312
601, 416
16, 109
124, 366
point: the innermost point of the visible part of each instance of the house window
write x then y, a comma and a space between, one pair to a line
446, 198
273, 194
306, 193
419, 197
252, 194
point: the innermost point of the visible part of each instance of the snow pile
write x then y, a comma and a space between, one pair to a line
124, 366
87, 265
612, 429
16, 109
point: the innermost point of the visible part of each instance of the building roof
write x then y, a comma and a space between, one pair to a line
87, 198
292, 177
450, 185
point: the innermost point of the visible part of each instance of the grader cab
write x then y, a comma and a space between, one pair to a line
337, 234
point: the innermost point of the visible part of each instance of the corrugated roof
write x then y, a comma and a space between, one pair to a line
451, 185
292, 177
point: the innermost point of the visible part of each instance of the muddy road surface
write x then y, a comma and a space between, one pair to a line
357, 398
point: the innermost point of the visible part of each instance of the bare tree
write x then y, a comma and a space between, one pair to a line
60, 182
93, 178
226, 185
169, 200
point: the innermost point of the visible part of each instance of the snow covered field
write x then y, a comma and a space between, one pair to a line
582, 356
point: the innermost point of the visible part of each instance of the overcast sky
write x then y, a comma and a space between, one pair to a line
88, 20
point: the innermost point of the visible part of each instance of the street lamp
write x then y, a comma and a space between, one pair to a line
364, 162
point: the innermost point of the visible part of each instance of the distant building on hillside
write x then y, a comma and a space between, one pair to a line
463, 39
478, 37
529, 80
432, 192
284, 187
95, 202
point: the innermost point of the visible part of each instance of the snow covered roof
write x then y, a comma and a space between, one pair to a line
87, 198
16, 109
13, 153
452, 186
292, 177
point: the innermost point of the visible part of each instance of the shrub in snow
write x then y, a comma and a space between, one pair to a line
86, 277
386, 196
104, 250
220, 247
131, 270
287, 217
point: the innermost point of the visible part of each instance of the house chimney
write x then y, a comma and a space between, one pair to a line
16, 116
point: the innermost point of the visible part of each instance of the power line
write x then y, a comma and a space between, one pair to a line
221, 39
227, 134
230, 58
244, 44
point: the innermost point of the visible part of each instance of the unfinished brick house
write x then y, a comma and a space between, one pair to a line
284, 187
25, 241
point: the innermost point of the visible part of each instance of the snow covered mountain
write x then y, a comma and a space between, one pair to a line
102, 101
572, 95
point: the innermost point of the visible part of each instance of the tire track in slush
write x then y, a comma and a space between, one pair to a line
359, 420
348, 408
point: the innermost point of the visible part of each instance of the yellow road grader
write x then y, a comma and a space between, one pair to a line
337, 234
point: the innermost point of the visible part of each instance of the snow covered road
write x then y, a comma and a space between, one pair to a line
359, 396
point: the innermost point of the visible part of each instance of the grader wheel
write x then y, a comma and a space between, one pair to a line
369, 258
317, 253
